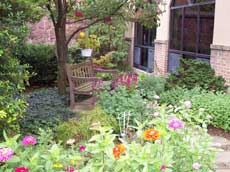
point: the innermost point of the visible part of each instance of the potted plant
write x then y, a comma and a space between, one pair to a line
87, 44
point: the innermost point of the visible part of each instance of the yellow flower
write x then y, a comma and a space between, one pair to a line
72, 162
82, 34
57, 165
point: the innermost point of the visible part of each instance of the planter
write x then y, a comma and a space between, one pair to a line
86, 52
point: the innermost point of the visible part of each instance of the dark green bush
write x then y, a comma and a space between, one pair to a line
193, 73
43, 61
150, 86
79, 129
46, 110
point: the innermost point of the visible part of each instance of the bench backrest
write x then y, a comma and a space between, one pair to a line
80, 70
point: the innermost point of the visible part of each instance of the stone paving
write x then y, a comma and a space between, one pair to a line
223, 157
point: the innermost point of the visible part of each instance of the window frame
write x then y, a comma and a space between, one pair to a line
183, 7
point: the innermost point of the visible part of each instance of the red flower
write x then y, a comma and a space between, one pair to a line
21, 169
108, 20
79, 14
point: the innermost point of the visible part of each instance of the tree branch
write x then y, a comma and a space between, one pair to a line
48, 6
94, 22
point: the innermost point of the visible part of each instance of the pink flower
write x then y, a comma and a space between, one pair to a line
69, 169
188, 104
21, 169
6, 154
196, 166
163, 167
29, 140
81, 148
175, 123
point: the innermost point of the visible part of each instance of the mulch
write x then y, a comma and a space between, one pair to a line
218, 132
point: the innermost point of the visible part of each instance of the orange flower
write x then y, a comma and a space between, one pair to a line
151, 134
118, 150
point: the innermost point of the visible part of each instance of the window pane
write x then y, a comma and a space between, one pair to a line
176, 24
190, 29
206, 28
180, 2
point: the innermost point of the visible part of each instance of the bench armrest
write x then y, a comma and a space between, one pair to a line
106, 70
85, 78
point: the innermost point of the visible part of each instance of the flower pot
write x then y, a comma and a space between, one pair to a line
86, 52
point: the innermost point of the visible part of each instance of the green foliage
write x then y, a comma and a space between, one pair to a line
42, 157
150, 86
123, 100
46, 110
192, 73
112, 38
12, 107
215, 105
43, 61
79, 129
175, 95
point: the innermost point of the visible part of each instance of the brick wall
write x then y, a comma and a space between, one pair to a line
220, 61
161, 57
43, 32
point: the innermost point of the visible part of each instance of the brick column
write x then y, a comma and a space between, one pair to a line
220, 61
161, 57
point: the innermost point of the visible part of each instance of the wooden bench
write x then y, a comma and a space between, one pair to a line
82, 79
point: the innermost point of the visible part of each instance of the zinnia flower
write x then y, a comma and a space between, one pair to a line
70, 141
175, 123
82, 35
163, 167
57, 165
118, 150
69, 169
196, 166
29, 140
81, 148
21, 169
151, 134
6, 154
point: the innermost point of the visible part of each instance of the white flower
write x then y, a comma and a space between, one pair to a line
156, 97
188, 104
123, 135
209, 117
70, 141
156, 114
170, 106
202, 109
196, 166
218, 145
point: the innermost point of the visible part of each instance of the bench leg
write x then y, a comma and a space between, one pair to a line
72, 99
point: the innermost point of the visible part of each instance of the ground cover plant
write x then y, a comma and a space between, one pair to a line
46, 109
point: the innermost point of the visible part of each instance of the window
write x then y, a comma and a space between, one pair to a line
192, 23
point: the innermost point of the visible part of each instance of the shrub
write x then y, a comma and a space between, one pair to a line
215, 105
193, 73
150, 86
175, 95
122, 100
79, 129
43, 61
46, 110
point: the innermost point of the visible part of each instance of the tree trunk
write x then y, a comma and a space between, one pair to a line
61, 51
